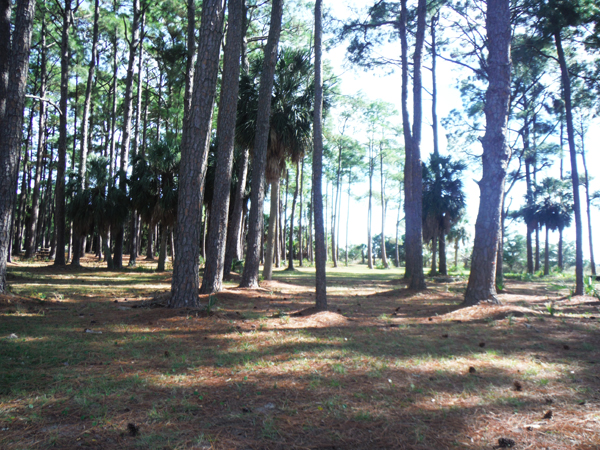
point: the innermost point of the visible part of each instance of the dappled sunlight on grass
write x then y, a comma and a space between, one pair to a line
384, 368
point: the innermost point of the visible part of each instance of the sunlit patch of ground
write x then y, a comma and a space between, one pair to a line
85, 352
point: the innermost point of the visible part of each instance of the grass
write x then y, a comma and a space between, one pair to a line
253, 375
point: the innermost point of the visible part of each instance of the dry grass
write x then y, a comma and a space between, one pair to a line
384, 368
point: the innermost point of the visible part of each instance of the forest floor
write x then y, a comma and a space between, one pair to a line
90, 358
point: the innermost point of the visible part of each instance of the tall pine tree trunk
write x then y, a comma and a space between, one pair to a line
384, 261
586, 181
12, 120
236, 225
259, 161
481, 286
320, 250
412, 140
566, 85
126, 133
185, 283
300, 241
272, 232
291, 244
212, 280
59, 215
85, 126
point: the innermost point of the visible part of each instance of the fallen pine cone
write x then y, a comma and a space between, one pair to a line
548, 414
566, 347
482, 344
506, 443
133, 429
472, 369
518, 386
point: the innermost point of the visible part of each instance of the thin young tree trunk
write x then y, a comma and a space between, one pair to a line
347, 218
23, 196
278, 239
185, 283
442, 249
189, 70
384, 261
291, 244
126, 133
59, 216
547, 254
537, 248
149, 245
162, 255
311, 209
12, 122
300, 243
272, 232
481, 286
259, 162
587, 205
135, 217
370, 211
566, 84
398, 230
5, 11
85, 125
560, 249
235, 232
335, 219
320, 252
285, 222
434, 255
30, 243
212, 280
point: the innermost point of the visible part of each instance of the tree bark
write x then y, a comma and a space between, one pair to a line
291, 244
30, 242
566, 84
413, 183
162, 254
12, 122
189, 70
5, 11
236, 226
300, 243
320, 250
212, 280
135, 217
370, 209
433, 256
194, 155
272, 232
547, 254
59, 193
259, 161
442, 250
481, 286
384, 261
85, 125
587, 206
126, 134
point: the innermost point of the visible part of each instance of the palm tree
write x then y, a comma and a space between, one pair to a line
459, 235
290, 124
101, 205
555, 209
154, 188
443, 203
